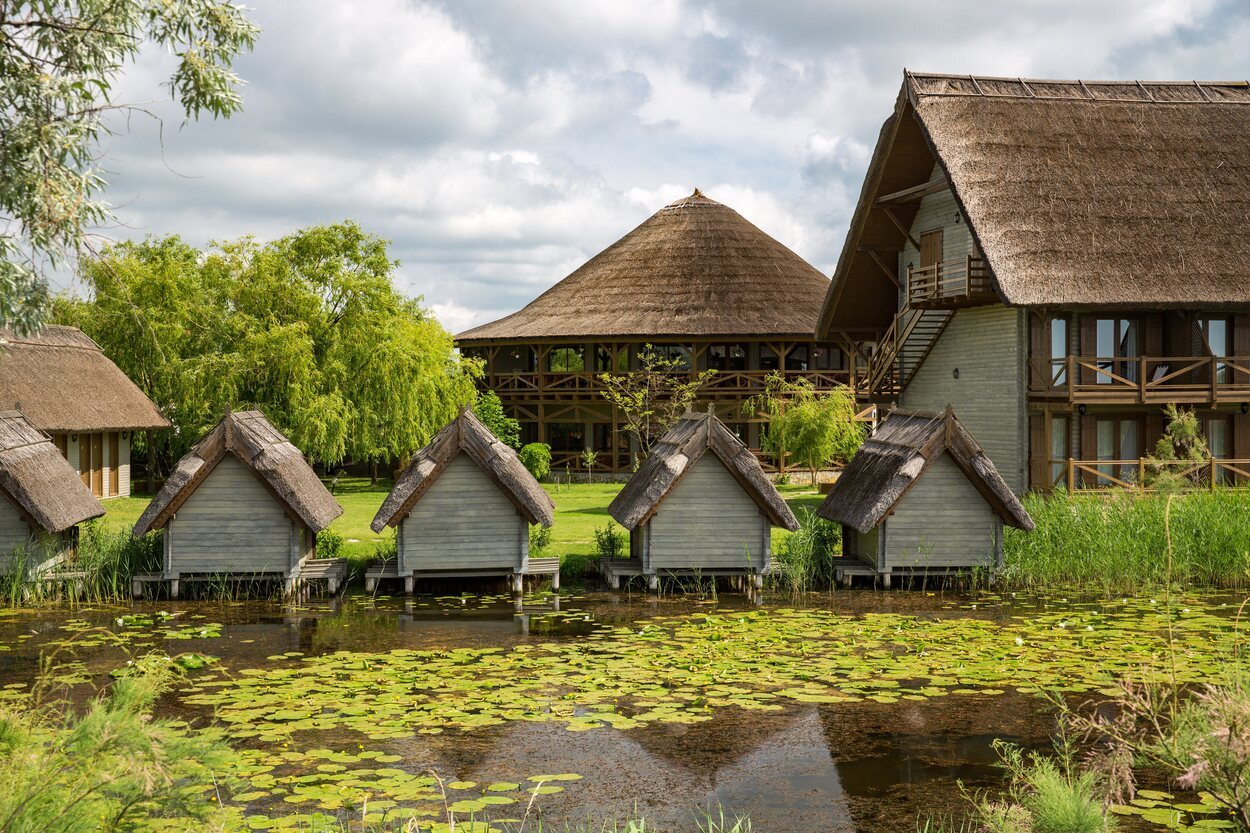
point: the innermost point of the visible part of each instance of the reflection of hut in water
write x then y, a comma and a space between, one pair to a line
43, 498
700, 504
921, 497
462, 509
242, 502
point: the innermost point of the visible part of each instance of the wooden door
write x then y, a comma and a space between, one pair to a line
97, 465
61, 441
114, 465
84, 459
930, 248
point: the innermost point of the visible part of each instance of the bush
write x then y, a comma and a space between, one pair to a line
1119, 542
609, 541
536, 457
805, 558
540, 539
107, 558
489, 409
329, 544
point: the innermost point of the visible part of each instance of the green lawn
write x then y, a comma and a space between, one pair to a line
580, 508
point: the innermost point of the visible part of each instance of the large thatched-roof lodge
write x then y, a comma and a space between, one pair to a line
463, 508
699, 283
65, 385
700, 504
242, 501
42, 501
920, 496
1058, 260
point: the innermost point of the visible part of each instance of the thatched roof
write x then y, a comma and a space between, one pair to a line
278, 464
38, 480
62, 381
499, 462
1108, 194
694, 268
898, 454
694, 435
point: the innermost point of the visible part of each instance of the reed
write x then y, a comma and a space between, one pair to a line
105, 561
804, 561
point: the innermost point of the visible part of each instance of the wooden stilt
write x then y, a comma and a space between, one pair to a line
410, 584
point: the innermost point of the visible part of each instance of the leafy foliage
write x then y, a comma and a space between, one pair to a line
489, 409
540, 539
805, 558
1182, 442
609, 541
536, 457
809, 427
329, 544
652, 398
60, 62
308, 328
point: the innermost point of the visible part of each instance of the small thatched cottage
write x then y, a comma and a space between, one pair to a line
43, 499
243, 501
920, 496
700, 504
65, 385
463, 507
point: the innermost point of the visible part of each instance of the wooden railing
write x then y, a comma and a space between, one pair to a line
722, 382
1142, 379
964, 280
1107, 475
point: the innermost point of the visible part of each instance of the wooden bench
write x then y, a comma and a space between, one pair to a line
537, 566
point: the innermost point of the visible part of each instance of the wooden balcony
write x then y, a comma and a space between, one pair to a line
1112, 475
1206, 380
725, 384
962, 282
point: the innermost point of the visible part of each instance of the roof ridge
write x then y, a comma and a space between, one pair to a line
944, 84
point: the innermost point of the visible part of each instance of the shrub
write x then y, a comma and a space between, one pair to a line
329, 544
489, 409
805, 558
108, 559
609, 541
536, 457
540, 539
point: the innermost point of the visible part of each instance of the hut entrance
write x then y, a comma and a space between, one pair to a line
930, 248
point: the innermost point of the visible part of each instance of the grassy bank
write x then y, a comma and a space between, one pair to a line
1119, 542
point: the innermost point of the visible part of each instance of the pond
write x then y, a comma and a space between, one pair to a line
849, 711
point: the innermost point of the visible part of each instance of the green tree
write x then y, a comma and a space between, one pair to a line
1182, 442
652, 398
809, 427
536, 457
308, 328
59, 61
490, 411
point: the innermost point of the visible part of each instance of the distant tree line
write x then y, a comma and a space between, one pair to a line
308, 328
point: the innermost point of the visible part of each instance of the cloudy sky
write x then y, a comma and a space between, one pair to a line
500, 143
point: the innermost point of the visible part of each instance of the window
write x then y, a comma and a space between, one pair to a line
566, 436
1117, 350
1217, 341
827, 358
603, 360
727, 357
1219, 433
1058, 351
769, 359
1119, 440
677, 354
567, 359
1059, 448
799, 358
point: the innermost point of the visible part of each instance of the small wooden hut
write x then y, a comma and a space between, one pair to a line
463, 508
691, 512
921, 497
242, 502
43, 498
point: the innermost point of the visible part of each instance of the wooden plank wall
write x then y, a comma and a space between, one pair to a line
707, 521
942, 521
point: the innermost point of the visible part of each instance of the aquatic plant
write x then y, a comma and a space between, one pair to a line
804, 561
103, 564
1116, 543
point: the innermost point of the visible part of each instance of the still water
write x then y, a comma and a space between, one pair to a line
851, 711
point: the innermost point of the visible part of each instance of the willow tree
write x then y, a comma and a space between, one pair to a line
59, 63
804, 425
309, 328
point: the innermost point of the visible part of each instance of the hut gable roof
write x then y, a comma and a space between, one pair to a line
694, 268
898, 454
278, 464
1078, 193
498, 461
61, 380
40, 482
677, 452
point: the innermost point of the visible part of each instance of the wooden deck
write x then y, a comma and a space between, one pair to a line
388, 570
847, 569
614, 570
332, 571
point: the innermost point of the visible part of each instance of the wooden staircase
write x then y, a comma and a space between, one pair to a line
904, 346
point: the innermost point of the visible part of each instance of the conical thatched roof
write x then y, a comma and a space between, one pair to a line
500, 463
694, 268
262, 448
898, 454
61, 381
41, 483
694, 435
1108, 194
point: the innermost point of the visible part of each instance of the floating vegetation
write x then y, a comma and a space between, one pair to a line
680, 669
1171, 813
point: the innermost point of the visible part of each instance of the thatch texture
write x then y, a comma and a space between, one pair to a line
694, 435
498, 461
40, 482
898, 454
1107, 194
279, 465
694, 268
62, 382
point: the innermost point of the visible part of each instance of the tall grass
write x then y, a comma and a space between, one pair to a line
804, 561
1117, 542
102, 567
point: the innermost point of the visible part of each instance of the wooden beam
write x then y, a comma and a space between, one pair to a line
876, 258
916, 192
898, 224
